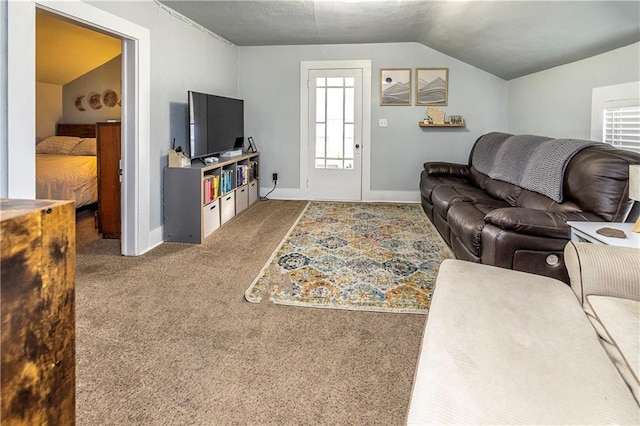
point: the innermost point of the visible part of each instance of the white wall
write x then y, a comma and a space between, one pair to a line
18, 80
3, 101
557, 102
48, 109
270, 85
107, 76
182, 58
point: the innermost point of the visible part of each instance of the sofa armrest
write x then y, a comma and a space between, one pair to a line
597, 269
540, 223
450, 169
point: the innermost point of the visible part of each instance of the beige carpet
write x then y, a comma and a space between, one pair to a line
167, 338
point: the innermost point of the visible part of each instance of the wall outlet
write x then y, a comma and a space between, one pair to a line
382, 122
275, 177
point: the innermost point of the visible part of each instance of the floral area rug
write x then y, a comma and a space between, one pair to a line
358, 256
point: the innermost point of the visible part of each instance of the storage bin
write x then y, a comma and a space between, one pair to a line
253, 191
242, 198
211, 215
227, 207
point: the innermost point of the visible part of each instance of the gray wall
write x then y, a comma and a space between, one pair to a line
107, 76
557, 102
182, 58
270, 85
48, 109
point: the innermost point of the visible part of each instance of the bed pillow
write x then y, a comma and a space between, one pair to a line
60, 145
85, 147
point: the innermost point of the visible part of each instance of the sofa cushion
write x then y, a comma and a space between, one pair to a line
503, 191
429, 183
466, 221
478, 178
507, 347
435, 174
496, 188
617, 322
533, 200
444, 196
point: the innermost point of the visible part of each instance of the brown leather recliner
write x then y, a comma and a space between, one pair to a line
498, 223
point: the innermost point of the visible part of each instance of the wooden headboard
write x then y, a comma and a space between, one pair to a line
79, 130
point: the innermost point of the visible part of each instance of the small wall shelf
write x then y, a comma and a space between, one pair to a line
422, 124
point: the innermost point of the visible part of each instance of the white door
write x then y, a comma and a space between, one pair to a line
335, 134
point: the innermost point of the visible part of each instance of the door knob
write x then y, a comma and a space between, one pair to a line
357, 145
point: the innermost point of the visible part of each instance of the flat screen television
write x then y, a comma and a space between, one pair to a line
216, 124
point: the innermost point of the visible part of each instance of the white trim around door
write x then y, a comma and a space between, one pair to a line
136, 121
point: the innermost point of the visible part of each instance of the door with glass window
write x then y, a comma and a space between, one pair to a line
335, 134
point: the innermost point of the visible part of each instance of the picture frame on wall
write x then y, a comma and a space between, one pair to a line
432, 86
395, 86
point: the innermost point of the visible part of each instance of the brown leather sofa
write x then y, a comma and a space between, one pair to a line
490, 221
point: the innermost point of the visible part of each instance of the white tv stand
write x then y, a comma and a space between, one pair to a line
189, 215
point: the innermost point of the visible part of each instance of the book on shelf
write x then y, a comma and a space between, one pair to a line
206, 190
243, 175
253, 170
226, 181
216, 186
210, 188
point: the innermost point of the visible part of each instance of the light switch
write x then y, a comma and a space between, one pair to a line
383, 122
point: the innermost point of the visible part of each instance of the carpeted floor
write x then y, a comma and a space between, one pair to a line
167, 338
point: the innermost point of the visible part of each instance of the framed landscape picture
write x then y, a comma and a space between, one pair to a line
395, 86
432, 86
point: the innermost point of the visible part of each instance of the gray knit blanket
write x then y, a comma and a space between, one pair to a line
535, 163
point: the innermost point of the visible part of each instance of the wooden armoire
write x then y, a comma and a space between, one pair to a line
109, 172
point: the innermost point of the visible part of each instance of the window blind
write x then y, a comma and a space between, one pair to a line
621, 127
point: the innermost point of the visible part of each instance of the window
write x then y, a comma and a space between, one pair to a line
621, 127
615, 115
335, 110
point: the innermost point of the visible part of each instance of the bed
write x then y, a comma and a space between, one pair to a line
66, 165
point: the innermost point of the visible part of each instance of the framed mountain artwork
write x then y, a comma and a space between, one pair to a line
432, 86
395, 86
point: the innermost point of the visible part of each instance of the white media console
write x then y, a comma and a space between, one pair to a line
193, 209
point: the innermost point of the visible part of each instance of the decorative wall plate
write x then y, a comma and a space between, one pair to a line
110, 98
79, 103
94, 101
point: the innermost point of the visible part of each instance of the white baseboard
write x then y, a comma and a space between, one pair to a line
369, 196
283, 193
392, 196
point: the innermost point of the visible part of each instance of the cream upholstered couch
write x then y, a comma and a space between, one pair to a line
507, 347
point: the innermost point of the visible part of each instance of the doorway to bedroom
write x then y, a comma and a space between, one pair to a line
79, 84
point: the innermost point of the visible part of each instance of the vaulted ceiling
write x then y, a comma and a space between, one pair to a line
506, 38
65, 51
